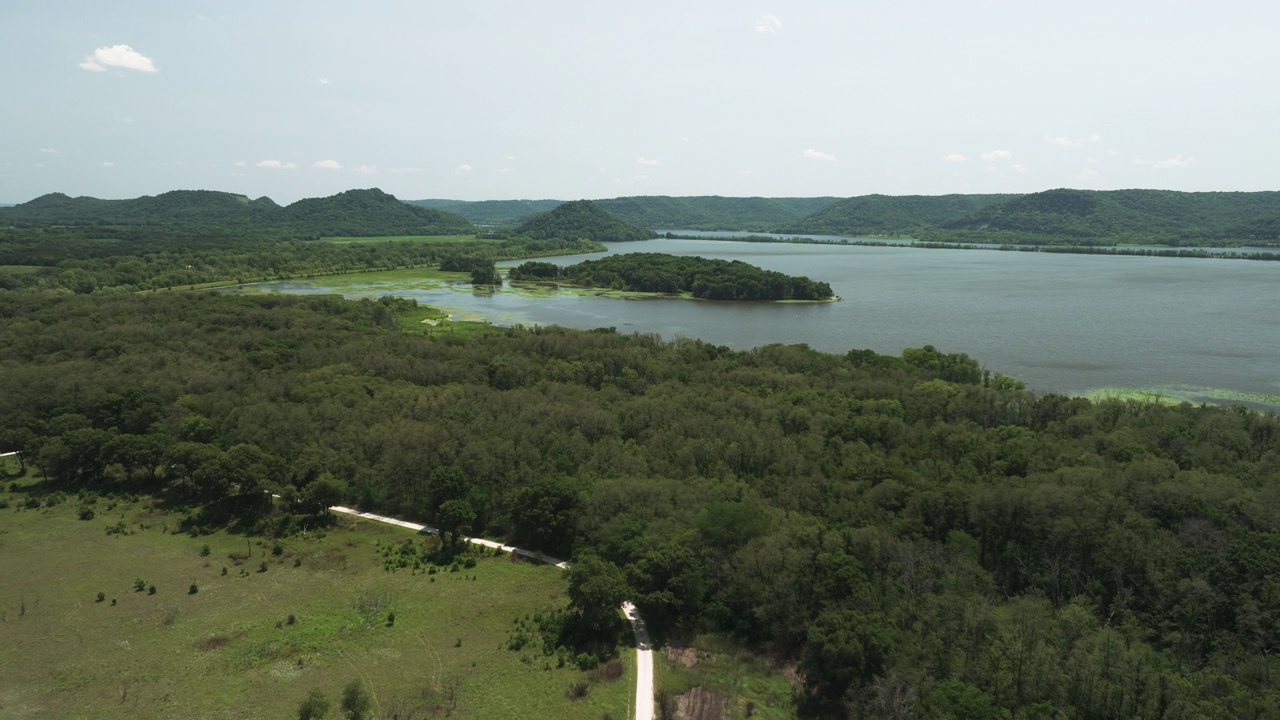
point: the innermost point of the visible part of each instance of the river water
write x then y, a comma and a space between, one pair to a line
1202, 330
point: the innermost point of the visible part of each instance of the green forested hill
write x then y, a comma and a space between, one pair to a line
710, 212
492, 212
903, 530
756, 214
889, 214
582, 219
1059, 216
1132, 215
354, 212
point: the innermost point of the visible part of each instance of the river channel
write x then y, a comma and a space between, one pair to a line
1204, 330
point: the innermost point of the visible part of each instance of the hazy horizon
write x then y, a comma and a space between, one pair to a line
509, 100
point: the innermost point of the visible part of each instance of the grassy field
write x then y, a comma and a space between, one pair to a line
231, 650
743, 684
20, 269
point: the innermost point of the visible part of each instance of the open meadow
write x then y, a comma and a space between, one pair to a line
224, 626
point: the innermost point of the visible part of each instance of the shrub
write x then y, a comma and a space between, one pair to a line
204, 551
193, 589
290, 620
224, 569
101, 596
469, 563
277, 550
85, 513
4, 504
391, 618
139, 585
151, 590
297, 562
578, 690
262, 566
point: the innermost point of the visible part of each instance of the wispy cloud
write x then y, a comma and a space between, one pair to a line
503, 171
995, 155
275, 165
464, 167
327, 165
120, 56
1086, 174
50, 151
324, 81
1175, 162
819, 155
768, 24
108, 163
1018, 167
647, 161
955, 157
367, 170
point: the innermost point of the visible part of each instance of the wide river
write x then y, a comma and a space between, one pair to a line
1202, 330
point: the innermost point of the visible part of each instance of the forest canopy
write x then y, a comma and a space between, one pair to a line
902, 527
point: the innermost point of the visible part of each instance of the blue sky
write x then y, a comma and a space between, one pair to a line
495, 99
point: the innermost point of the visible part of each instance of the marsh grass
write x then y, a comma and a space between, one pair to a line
229, 650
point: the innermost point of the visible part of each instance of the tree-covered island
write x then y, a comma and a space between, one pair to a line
698, 277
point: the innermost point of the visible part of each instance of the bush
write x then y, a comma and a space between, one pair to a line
151, 590
578, 690
277, 550
262, 566
391, 618
101, 596
139, 585
204, 551
85, 513
193, 589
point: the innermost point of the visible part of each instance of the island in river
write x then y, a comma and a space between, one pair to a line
689, 276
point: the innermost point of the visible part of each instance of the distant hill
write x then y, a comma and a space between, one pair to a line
492, 212
889, 214
354, 212
582, 219
1162, 216
709, 212
713, 212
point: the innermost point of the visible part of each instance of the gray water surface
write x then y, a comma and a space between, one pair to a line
1059, 322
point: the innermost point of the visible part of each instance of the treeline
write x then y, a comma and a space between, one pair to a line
85, 260
923, 538
662, 273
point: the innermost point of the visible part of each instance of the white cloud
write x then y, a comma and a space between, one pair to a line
995, 155
511, 157
647, 161
819, 155
367, 170
50, 151
324, 81
768, 24
684, 138
954, 157
108, 163
1177, 161
464, 168
1086, 174
1019, 167
275, 165
121, 56
327, 165
240, 163
502, 171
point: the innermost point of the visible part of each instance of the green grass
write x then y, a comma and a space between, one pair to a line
439, 239
20, 269
724, 668
1181, 394
228, 650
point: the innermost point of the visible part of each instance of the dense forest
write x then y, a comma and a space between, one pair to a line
85, 260
661, 273
924, 538
582, 219
351, 213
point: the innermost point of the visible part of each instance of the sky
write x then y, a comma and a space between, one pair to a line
565, 99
